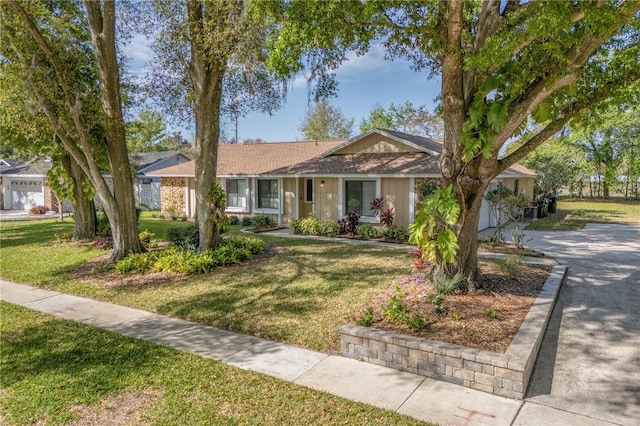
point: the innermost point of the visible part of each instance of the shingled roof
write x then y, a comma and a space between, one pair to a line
323, 158
256, 159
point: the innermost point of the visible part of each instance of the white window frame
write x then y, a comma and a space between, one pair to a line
343, 186
257, 209
235, 209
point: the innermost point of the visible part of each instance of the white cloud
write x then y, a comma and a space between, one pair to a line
138, 51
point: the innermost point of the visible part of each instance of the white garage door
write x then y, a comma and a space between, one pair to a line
26, 194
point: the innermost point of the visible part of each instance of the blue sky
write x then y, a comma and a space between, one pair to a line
363, 82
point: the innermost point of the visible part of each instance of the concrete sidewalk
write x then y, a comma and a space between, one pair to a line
406, 393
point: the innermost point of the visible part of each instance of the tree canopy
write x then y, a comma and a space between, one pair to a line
501, 63
405, 118
324, 121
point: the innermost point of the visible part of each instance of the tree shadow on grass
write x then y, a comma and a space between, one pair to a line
52, 365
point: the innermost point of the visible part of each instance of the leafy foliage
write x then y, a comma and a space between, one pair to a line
388, 216
324, 121
367, 231
349, 223
395, 233
405, 118
185, 261
262, 221
432, 229
184, 236
38, 210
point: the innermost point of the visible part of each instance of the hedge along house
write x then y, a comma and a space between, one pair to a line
331, 178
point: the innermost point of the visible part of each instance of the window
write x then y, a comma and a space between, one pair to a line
268, 194
237, 193
308, 191
358, 196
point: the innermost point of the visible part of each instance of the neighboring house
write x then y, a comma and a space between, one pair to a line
147, 188
331, 178
24, 185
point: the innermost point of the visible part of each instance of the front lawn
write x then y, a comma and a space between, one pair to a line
572, 215
300, 294
57, 371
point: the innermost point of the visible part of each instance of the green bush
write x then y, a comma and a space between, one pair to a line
367, 231
184, 236
145, 237
395, 233
136, 263
367, 318
185, 261
328, 228
234, 220
247, 221
262, 221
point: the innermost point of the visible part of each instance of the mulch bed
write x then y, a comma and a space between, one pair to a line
467, 320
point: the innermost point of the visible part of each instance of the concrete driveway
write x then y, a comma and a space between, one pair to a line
589, 362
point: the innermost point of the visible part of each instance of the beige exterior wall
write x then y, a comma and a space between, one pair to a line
376, 143
326, 201
525, 185
289, 199
172, 192
395, 192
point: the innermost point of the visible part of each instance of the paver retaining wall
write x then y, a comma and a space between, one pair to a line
505, 374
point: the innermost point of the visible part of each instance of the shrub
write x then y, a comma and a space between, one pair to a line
254, 245
367, 318
329, 228
145, 237
103, 243
508, 264
349, 223
103, 227
64, 237
387, 217
184, 236
416, 322
376, 205
436, 302
172, 211
445, 285
395, 310
38, 210
247, 221
234, 220
367, 231
309, 225
136, 263
395, 233
263, 221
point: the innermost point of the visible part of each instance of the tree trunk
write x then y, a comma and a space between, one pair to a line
122, 211
206, 71
84, 210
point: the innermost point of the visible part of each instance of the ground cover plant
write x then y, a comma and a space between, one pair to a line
575, 214
60, 372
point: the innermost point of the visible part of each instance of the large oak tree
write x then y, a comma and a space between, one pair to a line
501, 64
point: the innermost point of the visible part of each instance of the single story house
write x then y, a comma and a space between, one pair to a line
331, 178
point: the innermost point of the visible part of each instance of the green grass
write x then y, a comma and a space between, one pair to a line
575, 214
52, 369
301, 295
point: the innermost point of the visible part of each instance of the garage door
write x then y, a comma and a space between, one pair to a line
26, 194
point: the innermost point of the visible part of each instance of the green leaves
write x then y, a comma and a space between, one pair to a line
432, 229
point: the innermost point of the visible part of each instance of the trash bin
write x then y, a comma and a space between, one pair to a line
553, 203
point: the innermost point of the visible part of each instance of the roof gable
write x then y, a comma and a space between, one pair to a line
386, 141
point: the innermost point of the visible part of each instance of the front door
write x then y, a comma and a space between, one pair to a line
305, 197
